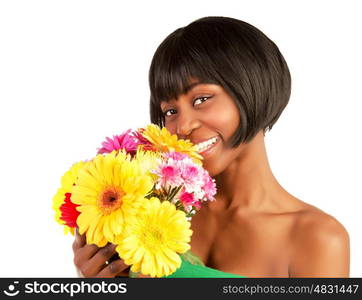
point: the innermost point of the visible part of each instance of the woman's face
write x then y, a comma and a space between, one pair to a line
206, 111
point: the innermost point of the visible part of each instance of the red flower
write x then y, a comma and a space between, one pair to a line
69, 212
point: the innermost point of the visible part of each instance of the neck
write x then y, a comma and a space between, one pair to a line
248, 181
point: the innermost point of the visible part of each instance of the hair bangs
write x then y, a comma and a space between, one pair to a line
173, 69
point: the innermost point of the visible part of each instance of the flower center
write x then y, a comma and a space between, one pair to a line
153, 237
168, 171
110, 199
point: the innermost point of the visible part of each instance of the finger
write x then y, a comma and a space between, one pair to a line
91, 264
102, 256
84, 254
80, 237
79, 241
115, 268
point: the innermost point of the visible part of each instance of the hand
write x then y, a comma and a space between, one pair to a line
92, 261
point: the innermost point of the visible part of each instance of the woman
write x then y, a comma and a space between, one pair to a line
221, 83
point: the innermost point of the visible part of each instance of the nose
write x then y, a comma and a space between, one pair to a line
186, 123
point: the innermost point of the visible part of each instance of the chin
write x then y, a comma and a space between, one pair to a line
212, 168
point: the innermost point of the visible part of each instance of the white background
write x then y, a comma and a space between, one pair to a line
73, 72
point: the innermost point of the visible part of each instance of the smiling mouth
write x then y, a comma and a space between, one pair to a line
206, 145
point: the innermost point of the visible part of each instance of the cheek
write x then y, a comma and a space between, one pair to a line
225, 119
171, 128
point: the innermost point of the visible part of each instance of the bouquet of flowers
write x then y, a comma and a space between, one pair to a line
139, 192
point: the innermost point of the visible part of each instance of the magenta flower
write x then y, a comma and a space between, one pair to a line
126, 141
192, 175
190, 172
209, 186
183, 182
188, 200
142, 140
175, 155
169, 174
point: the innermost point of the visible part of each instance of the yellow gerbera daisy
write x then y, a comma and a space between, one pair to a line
154, 237
108, 190
148, 160
67, 182
164, 142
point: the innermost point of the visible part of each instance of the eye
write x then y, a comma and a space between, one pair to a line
202, 99
165, 113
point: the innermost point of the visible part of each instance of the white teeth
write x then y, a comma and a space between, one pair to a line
205, 145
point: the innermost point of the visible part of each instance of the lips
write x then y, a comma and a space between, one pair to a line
207, 144
199, 141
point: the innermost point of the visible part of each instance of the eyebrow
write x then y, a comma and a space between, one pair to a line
187, 89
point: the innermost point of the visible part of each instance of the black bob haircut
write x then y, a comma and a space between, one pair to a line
228, 52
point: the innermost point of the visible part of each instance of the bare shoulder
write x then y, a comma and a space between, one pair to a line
314, 225
320, 245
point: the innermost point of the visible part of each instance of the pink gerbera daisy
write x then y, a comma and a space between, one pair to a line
125, 141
